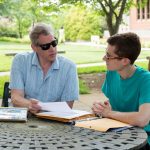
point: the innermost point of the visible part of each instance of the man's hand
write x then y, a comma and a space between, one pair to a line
102, 109
34, 107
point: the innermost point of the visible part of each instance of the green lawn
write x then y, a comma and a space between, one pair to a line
83, 89
5, 62
3, 79
7, 46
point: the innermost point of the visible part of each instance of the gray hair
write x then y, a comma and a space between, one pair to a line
37, 30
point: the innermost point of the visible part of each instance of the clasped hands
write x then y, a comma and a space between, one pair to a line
102, 109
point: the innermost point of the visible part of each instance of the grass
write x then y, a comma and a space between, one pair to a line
3, 79
83, 89
5, 63
143, 64
95, 69
80, 54
7, 46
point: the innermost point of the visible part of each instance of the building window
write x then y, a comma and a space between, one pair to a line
148, 9
138, 9
143, 10
143, 13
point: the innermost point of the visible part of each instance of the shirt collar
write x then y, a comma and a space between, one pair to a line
35, 60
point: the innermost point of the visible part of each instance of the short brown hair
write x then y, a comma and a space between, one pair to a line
37, 30
127, 45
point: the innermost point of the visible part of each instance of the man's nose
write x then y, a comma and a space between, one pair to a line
104, 58
52, 48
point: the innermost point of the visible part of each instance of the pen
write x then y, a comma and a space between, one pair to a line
89, 119
71, 123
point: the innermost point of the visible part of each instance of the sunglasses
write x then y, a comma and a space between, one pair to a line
46, 46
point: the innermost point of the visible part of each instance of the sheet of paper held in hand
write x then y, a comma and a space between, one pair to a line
61, 109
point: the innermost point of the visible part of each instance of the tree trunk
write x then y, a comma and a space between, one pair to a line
113, 12
19, 28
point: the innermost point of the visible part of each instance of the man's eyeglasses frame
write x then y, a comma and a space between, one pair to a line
111, 57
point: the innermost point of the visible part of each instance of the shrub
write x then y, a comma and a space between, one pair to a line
80, 23
8, 32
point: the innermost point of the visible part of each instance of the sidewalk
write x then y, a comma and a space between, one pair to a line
93, 44
86, 100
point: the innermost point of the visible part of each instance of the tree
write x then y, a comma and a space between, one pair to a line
16, 11
23, 13
112, 9
113, 12
80, 23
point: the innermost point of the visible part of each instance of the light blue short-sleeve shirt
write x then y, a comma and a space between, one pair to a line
59, 84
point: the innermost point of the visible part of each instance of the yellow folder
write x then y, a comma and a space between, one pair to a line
103, 124
64, 118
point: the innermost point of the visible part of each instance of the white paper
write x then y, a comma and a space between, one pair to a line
70, 115
56, 107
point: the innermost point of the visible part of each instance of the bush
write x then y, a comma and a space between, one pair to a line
16, 40
3, 79
83, 87
7, 28
8, 32
80, 23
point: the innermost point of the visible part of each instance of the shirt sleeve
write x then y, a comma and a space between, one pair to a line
16, 75
71, 88
145, 90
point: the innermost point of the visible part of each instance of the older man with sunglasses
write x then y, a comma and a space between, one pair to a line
41, 75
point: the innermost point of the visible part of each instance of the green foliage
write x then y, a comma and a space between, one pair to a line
7, 28
5, 63
21, 15
80, 23
112, 10
83, 89
144, 65
3, 79
93, 69
8, 32
10, 39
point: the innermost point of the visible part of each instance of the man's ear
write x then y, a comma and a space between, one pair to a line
34, 47
125, 61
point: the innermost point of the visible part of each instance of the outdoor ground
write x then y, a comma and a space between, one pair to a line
94, 82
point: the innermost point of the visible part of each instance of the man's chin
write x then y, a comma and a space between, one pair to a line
110, 69
52, 58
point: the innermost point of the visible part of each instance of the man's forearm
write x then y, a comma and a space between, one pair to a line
20, 101
132, 118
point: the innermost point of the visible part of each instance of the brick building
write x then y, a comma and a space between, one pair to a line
140, 20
